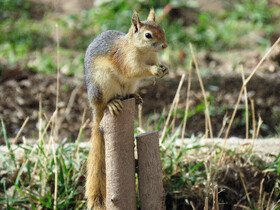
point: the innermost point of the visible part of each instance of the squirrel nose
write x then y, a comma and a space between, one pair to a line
164, 45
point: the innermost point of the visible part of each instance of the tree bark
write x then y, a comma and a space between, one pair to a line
119, 155
151, 190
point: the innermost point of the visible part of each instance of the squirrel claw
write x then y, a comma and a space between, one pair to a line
115, 106
138, 98
161, 71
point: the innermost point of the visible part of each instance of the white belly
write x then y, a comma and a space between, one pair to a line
114, 86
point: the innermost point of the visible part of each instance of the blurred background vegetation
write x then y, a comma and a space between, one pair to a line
225, 35
28, 34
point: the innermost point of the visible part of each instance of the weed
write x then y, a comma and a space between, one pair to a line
33, 175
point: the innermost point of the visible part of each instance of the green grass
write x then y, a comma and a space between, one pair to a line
29, 180
32, 174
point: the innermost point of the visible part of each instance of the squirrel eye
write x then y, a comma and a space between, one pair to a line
148, 35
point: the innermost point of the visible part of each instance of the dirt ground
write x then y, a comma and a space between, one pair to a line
20, 92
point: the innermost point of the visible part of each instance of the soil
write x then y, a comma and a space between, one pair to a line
20, 92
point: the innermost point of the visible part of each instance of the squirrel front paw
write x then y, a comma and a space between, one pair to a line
160, 70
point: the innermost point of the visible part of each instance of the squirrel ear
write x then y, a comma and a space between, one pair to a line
151, 16
136, 21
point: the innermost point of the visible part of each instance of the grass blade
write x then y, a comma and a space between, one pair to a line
8, 144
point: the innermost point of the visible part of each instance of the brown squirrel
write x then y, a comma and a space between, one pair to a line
114, 62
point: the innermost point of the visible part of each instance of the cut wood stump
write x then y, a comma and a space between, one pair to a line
119, 154
151, 190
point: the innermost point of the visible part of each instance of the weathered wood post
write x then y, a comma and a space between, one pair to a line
119, 155
150, 172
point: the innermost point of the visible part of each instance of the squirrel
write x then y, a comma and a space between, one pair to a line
113, 63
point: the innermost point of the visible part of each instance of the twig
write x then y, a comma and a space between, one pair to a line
253, 118
225, 119
208, 174
215, 198
57, 63
246, 102
234, 113
175, 113
84, 124
257, 133
240, 95
192, 205
206, 123
260, 195
269, 199
207, 114
240, 205
56, 175
57, 80
260, 122
20, 130
69, 107
48, 124
245, 187
53, 117
206, 203
187, 102
260, 63
171, 108
40, 120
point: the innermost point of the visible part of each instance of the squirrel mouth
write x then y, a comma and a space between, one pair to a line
159, 47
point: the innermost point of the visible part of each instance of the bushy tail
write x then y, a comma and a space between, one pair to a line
96, 176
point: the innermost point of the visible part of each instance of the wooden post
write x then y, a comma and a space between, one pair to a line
119, 154
150, 172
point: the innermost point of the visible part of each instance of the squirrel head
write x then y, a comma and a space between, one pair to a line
147, 35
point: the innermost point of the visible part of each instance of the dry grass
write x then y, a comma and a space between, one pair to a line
218, 163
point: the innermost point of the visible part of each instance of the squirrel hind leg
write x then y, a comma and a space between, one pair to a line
138, 98
115, 106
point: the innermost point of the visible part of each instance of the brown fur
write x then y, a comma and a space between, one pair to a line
131, 58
